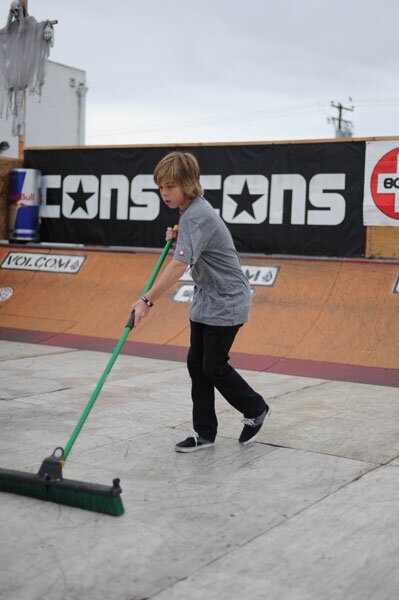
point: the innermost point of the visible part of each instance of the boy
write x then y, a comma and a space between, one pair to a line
220, 304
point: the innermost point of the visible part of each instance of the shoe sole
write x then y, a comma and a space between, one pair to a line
253, 439
194, 448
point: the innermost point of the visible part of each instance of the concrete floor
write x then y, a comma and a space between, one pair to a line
309, 512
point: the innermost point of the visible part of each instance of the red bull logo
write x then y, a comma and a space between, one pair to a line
22, 199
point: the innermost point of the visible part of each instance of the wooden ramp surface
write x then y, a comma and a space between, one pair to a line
333, 319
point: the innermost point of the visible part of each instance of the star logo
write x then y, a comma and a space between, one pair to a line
244, 201
80, 198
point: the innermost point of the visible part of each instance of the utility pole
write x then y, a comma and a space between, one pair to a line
343, 127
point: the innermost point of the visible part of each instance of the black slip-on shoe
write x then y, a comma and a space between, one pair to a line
252, 427
192, 443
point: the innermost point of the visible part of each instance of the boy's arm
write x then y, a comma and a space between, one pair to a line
170, 275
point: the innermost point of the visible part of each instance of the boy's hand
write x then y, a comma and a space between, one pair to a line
140, 309
171, 234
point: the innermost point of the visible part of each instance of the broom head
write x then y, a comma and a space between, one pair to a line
48, 484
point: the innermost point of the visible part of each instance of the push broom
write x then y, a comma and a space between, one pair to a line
48, 483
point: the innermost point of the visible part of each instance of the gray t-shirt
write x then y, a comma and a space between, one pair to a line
221, 294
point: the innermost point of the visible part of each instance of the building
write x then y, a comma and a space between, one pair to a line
55, 119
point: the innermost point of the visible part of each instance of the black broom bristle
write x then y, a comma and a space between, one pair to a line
89, 496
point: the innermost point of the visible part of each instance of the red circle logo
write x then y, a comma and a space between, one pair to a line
385, 184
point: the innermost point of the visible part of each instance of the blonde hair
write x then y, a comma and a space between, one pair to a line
181, 168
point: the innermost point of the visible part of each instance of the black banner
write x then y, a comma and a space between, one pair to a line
304, 199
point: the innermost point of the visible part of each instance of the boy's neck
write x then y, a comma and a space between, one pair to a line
184, 206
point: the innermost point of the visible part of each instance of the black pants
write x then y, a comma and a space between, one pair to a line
208, 366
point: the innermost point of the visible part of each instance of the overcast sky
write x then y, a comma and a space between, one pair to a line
181, 71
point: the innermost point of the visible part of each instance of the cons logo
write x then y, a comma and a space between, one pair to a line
252, 199
384, 184
88, 197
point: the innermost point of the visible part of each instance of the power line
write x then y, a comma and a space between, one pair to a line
243, 116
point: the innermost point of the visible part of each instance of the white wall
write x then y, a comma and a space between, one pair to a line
58, 118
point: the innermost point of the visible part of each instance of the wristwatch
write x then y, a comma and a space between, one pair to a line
146, 301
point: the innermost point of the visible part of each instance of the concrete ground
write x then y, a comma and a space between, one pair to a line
309, 512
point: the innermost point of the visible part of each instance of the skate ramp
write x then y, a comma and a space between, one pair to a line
321, 318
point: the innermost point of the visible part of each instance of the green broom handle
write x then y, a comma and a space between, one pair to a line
114, 356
